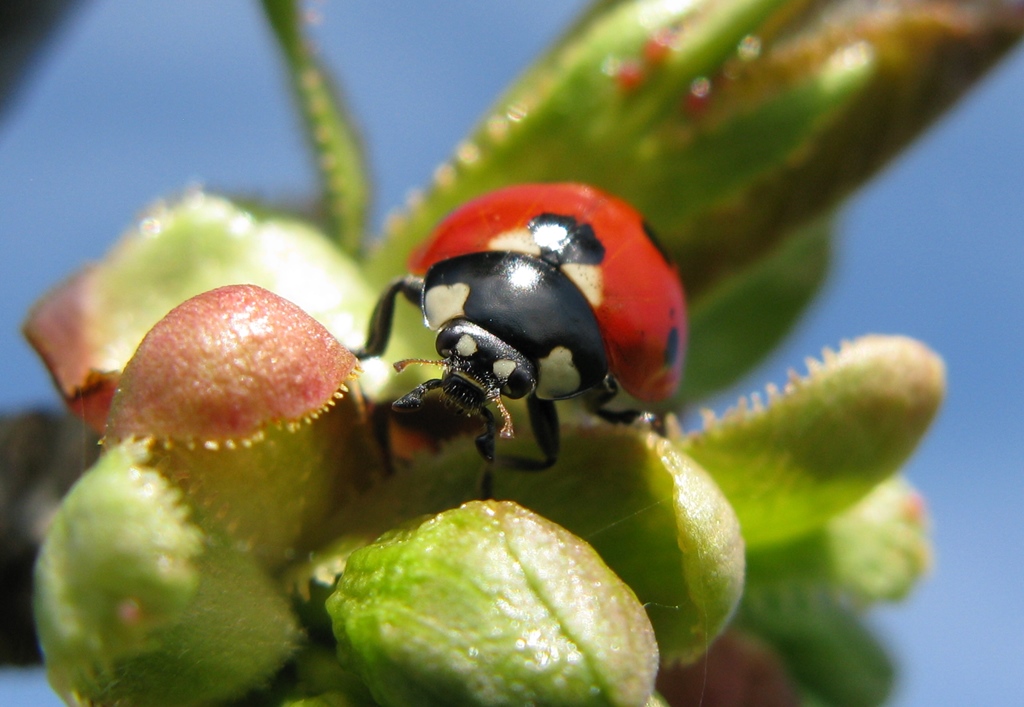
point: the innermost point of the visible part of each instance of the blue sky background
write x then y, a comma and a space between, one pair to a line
135, 101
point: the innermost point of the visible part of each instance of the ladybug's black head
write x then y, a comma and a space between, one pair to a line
479, 368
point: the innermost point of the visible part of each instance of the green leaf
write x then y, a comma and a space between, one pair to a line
491, 604
271, 497
653, 515
234, 636
656, 518
204, 242
824, 442
95, 321
119, 559
329, 129
875, 551
329, 699
135, 604
826, 649
741, 320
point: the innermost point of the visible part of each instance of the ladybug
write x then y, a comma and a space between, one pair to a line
544, 292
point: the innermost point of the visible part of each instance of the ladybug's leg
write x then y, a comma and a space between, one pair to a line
603, 394
485, 442
413, 400
544, 423
383, 314
543, 420
485, 445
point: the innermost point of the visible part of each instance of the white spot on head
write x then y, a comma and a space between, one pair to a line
503, 368
443, 303
466, 346
557, 375
588, 279
518, 241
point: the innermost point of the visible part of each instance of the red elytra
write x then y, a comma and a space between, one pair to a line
642, 312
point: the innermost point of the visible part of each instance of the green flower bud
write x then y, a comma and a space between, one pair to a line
88, 328
136, 605
244, 398
819, 446
490, 604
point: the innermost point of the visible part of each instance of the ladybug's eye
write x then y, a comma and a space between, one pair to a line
520, 382
444, 343
455, 341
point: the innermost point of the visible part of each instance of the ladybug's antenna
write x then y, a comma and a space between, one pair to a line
405, 363
506, 419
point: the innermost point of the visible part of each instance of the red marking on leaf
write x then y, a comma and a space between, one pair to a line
915, 508
58, 329
659, 45
91, 402
630, 75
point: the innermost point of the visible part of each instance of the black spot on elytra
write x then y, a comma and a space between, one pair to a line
580, 245
656, 242
672, 348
